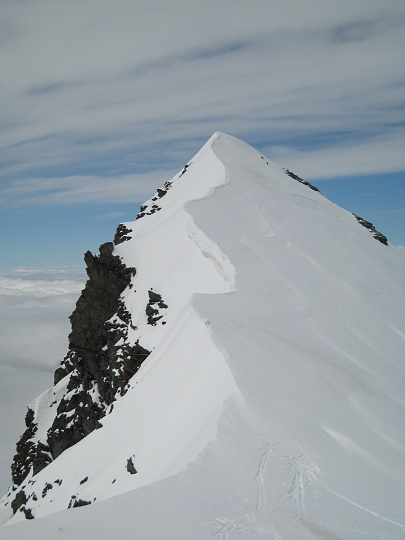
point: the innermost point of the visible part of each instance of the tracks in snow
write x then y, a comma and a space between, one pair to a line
278, 458
261, 469
302, 470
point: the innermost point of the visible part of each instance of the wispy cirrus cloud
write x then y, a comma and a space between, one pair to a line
142, 86
358, 156
103, 102
81, 189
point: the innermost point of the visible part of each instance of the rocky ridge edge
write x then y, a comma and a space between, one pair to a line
95, 371
97, 368
376, 234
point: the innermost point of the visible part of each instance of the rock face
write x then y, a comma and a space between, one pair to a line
153, 308
29, 455
377, 235
300, 180
122, 234
151, 207
97, 367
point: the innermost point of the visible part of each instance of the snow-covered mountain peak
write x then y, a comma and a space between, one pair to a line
234, 361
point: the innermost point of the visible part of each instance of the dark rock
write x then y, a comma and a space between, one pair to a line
123, 313
154, 297
381, 238
363, 222
99, 300
69, 430
130, 466
99, 321
152, 311
46, 489
121, 234
75, 502
84, 480
153, 314
42, 458
26, 450
133, 356
145, 210
27, 512
92, 356
377, 235
184, 170
80, 502
292, 175
59, 374
18, 501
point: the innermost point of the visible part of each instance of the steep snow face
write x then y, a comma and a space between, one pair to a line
316, 344
271, 411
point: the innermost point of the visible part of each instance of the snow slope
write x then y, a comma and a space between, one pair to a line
272, 403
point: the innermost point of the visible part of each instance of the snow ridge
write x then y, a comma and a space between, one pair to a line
270, 405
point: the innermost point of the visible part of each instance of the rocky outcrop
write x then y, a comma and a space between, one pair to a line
19, 500
108, 277
300, 180
133, 357
122, 234
75, 502
98, 366
377, 235
130, 466
151, 207
153, 308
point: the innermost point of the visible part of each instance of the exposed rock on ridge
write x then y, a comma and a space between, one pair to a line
122, 234
97, 367
151, 207
152, 309
377, 235
296, 177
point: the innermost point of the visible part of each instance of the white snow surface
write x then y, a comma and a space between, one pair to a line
272, 403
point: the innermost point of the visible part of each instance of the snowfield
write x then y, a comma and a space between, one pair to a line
272, 403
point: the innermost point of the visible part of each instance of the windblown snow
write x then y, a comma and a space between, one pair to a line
271, 405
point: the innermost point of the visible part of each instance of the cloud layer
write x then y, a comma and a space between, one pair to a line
34, 308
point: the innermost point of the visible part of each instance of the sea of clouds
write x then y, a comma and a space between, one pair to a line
35, 304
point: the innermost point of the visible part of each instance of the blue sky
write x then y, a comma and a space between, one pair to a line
102, 102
